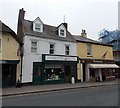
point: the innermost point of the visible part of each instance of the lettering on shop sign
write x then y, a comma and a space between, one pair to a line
97, 61
60, 58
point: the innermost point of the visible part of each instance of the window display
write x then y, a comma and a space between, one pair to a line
53, 72
109, 72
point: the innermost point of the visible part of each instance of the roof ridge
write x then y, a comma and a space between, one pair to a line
86, 38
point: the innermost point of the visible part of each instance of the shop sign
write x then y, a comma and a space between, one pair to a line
60, 58
97, 61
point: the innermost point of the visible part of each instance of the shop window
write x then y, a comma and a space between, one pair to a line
33, 47
52, 46
92, 73
53, 72
67, 50
89, 50
109, 72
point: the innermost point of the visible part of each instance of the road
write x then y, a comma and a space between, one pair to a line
92, 96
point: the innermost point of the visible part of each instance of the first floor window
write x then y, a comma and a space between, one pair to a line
67, 50
33, 47
52, 46
89, 50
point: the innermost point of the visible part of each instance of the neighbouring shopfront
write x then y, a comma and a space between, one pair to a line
9, 68
55, 69
95, 70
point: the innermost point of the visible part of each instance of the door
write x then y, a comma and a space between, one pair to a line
8, 75
67, 74
36, 73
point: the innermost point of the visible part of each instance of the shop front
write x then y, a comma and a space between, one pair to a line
96, 70
55, 69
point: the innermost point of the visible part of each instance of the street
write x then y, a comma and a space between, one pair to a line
92, 96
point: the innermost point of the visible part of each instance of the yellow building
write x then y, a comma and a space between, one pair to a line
95, 60
9, 57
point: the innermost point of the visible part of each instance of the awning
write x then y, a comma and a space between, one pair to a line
103, 66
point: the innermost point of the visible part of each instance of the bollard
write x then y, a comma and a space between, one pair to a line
72, 80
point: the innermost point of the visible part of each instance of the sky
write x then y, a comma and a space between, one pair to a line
90, 15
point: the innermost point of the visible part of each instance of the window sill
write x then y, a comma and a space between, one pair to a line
64, 36
89, 56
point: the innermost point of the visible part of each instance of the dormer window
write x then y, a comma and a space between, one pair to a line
37, 27
62, 31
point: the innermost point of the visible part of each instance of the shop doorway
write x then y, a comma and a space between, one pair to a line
37, 73
8, 75
67, 74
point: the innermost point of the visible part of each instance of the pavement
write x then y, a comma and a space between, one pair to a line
47, 88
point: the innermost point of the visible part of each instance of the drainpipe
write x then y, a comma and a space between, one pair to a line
21, 56
19, 82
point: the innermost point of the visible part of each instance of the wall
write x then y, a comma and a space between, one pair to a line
97, 51
43, 48
9, 47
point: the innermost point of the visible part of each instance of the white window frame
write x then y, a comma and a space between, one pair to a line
34, 47
51, 49
89, 50
66, 50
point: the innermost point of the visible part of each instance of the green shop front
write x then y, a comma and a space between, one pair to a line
55, 69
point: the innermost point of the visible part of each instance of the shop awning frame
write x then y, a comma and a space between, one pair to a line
99, 66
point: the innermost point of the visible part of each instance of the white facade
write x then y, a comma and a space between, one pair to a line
43, 46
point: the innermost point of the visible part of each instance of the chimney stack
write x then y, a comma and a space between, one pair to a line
21, 14
20, 23
84, 34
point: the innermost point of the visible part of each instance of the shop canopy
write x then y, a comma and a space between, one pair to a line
103, 66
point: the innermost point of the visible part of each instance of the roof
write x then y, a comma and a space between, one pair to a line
49, 32
5, 29
87, 40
